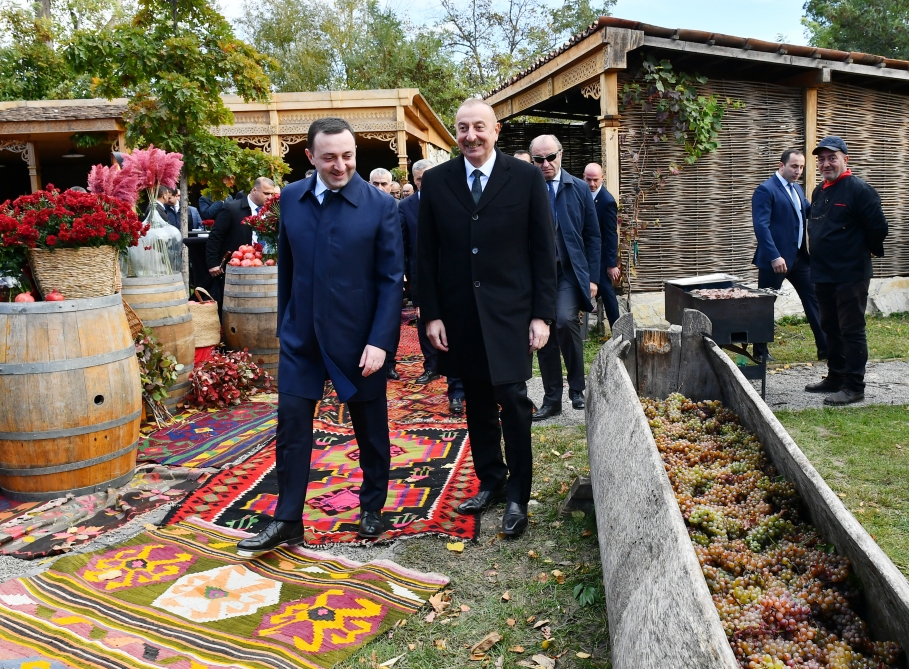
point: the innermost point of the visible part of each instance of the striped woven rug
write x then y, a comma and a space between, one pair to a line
181, 598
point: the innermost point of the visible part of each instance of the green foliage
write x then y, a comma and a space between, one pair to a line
86, 140
586, 595
158, 371
878, 26
174, 76
399, 175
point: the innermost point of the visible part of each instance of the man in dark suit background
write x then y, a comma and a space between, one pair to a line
228, 233
577, 237
779, 211
340, 277
608, 215
487, 285
409, 209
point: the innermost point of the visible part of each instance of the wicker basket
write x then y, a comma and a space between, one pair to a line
88, 271
206, 323
135, 323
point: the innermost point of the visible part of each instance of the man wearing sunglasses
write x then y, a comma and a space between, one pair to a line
578, 241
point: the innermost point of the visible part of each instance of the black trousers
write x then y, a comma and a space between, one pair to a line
799, 275
606, 295
431, 362
486, 432
294, 452
565, 340
842, 307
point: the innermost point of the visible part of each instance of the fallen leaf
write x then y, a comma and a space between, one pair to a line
526, 663
439, 643
490, 572
485, 643
412, 646
586, 533
438, 603
540, 624
542, 577
516, 649
391, 662
109, 575
559, 576
547, 632
567, 454
455, 546
464, 608
544, 661
556, 453
531, 619
510, 622
506, 596
500, 662
533, 554
583, 656
546, 643
842, 494
429, 618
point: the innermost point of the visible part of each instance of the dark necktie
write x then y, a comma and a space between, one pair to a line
326, 196
552, 196
476, 188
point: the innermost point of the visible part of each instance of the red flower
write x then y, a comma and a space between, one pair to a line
51, 240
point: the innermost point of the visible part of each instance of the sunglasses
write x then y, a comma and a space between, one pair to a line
539, 160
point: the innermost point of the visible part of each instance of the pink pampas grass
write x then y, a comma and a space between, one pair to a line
112, 181
154, 167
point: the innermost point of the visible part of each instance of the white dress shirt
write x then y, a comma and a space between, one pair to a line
485, 168
319, 190
796, 202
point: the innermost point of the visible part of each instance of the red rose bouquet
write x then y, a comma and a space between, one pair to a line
265, 223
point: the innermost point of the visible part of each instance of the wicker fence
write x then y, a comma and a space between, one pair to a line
579, 147
875, 126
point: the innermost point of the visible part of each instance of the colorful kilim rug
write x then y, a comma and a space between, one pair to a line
31, 530
180, 598
213, 438
431, 473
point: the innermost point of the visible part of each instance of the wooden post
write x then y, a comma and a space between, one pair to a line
274, 121
810, 140
121, 141
34, 168
609, 129
401, 141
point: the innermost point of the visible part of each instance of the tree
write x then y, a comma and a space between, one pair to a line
350, 45
871, 26
173, 62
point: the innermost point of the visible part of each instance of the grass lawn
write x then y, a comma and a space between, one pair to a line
887, 338
540, 572
863, 455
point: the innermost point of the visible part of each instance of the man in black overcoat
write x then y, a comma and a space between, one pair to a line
487, 283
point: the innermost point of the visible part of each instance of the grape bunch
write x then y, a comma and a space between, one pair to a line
783, 597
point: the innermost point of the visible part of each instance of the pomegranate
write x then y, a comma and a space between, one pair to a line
248, 256
258, 254
54, 296
270, 262
257, 263
246, 263
237, 255
24, 297
234, 262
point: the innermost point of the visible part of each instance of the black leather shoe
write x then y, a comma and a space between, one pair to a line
481, 501
277, 532
393, 374
577, 398
370, 525
456, 405
514, 522
547, 411
825, 385
426, 377
845, 396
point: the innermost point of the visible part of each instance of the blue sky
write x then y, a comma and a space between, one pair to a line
761, 19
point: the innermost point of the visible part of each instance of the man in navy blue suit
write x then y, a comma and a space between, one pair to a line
577, 236
340, 280
779, 211
608, 215
409, 209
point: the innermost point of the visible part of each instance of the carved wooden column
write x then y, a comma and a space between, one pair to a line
609, 129
401, 139
274, 121
34, 168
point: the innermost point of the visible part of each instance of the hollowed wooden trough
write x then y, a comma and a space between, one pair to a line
660, 610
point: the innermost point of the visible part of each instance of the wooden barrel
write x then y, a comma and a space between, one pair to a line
250, 313
70, 398
160, 301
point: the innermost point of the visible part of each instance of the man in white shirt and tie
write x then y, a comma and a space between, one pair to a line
779, 210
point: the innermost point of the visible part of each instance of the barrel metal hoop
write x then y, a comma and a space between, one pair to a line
87, 304
254, 282
69, 466
118, 482
159, 305
263, 351
166, 280
231, 293
250, 310
170, 320
264, 269
151, 290
71, 431
67, 365
179, 386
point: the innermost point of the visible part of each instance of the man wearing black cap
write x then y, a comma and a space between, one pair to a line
846, 226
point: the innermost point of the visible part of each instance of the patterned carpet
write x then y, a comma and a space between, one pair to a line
31, 530
431, 473
180, 598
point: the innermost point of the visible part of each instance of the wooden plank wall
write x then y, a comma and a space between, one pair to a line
705, 212
875, 126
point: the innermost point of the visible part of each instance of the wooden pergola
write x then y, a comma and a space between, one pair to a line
399, 119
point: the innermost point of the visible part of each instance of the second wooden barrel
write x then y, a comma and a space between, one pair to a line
70, 398
250, 314
161, 303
